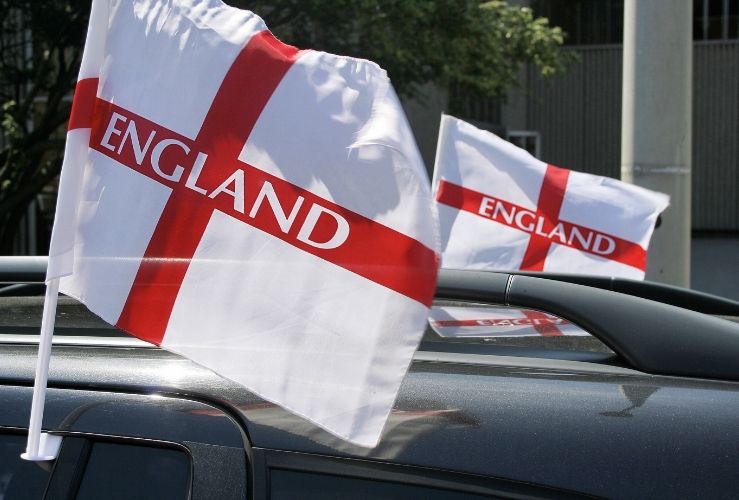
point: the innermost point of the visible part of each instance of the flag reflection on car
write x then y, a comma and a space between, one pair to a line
468, 321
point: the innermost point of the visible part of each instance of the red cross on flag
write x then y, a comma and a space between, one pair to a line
501, 208
259, 209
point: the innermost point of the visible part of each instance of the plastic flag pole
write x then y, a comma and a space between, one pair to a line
40, 446
443, 127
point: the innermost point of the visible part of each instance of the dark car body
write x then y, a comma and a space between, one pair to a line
473, 419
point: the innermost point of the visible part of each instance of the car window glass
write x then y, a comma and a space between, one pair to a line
287, 484
508, 326
122, 471
20, 479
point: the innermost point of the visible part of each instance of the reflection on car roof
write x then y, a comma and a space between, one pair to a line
471, 321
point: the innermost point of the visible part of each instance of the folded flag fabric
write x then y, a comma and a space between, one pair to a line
501, 208
259, 209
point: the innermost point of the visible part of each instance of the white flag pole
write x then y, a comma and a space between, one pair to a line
43, 447
443, 127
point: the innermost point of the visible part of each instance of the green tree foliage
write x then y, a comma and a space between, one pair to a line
40, 51
480, 46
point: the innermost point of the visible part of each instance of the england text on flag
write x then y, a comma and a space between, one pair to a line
501, 208
262, 210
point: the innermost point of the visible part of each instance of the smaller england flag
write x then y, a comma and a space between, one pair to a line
501, 208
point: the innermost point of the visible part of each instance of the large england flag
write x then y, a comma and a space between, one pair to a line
501, 208
259, 209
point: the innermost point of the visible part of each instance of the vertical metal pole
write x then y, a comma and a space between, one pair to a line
656, 123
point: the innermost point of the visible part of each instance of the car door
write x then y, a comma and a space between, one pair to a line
117, 445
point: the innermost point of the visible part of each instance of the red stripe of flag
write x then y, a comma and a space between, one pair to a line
83, 104
551, 196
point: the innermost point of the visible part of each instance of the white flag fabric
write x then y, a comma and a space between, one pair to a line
475, 321
501, 208
259, 209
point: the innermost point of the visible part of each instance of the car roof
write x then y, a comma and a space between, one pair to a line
474, 407
649, 334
